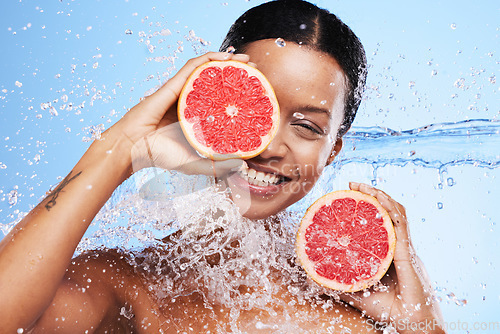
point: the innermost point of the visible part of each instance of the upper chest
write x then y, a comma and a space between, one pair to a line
194, 314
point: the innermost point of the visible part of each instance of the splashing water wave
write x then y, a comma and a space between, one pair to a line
469, 142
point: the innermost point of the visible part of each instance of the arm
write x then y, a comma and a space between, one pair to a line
34, 256
408, 303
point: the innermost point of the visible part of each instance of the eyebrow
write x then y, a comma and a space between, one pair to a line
313, 109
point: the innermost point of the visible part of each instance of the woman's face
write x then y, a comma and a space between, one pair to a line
310, 88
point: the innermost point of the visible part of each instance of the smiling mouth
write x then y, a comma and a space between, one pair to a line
261, 179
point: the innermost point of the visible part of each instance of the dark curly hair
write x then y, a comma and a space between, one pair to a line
304, 23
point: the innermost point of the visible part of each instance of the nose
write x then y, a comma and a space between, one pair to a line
278, 147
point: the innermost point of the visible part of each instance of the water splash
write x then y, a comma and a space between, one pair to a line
469, 142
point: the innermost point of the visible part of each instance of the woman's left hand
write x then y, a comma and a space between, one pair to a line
405, 297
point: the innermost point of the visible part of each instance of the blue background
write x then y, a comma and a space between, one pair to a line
69, 68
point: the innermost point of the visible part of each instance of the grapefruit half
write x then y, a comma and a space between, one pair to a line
228, 109
346, 241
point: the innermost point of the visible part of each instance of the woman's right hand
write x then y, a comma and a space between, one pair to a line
154, 132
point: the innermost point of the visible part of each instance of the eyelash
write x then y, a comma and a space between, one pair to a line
309, 127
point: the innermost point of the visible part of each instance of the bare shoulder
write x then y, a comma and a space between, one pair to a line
94, 295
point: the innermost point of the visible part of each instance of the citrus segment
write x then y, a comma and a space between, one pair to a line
346, 241
228, 109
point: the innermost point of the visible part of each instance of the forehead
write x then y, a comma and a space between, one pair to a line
300, 73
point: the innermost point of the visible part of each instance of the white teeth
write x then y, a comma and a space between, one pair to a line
252, 173
258, 178
267, 177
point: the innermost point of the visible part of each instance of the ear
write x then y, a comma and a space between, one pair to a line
335, 151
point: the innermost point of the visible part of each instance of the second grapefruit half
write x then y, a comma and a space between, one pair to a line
346, 241
228, 109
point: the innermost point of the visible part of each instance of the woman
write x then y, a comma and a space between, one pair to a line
317, 70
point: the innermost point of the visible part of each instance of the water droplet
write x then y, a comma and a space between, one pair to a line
459, 83
366, 294
434, 73
453, 26
363, 221
303, 26
12, 197
450, 182
280, 42
474, 259
128, 32
19, 84
439, 205
210, 118
95, 65
298, 115
20, 331
231, 49
323, 102
165, 32
411, 84
127, 313
53, 111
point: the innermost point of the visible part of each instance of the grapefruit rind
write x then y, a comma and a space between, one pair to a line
187, 127
309, 266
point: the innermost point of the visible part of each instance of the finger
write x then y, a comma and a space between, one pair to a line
397, 213
411, 276
173, 87
167, 95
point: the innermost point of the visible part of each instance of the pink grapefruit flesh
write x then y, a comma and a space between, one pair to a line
346, 241
228, 109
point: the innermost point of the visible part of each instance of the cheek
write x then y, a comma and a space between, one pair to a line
315, 161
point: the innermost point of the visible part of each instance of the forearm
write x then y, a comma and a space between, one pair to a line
35, 254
